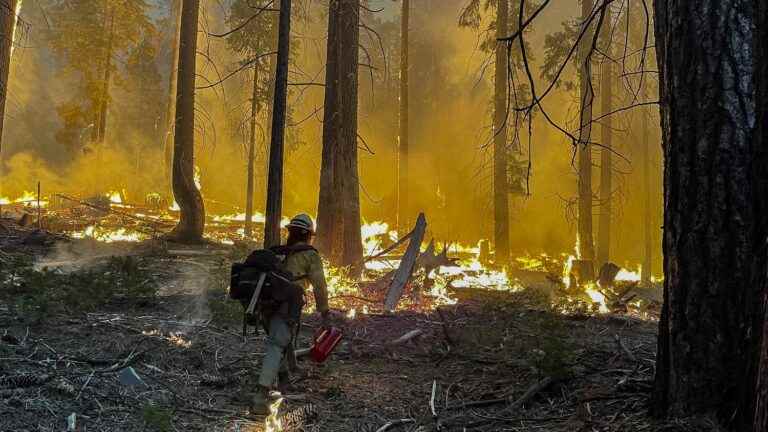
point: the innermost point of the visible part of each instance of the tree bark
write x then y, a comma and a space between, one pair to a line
192, 218
170, 121
585, 241
403, 223
760, 423
277, 145
714, 221
339, 204
606, 138
250, 185
500, 148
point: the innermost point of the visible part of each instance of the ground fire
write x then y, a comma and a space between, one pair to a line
383, 215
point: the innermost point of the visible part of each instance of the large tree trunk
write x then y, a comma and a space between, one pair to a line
170, 121
714, 221
250, 186
606, 138
192, 219
585, 240
101, 118
761, 141
339, 203
277, 145
500, 148
7, 24
403, 215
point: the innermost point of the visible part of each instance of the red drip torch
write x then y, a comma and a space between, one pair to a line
325, 342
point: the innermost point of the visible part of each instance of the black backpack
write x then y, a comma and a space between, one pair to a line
260, 284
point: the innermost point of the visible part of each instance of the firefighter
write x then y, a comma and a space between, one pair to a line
306, 266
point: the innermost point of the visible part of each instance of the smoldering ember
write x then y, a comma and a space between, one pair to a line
384, 215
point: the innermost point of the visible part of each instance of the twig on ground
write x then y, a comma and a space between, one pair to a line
394, 424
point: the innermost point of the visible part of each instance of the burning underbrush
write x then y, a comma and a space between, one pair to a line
437, 278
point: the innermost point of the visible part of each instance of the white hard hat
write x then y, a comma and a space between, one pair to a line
303, 221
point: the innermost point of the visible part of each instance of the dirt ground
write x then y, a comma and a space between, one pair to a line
496, 361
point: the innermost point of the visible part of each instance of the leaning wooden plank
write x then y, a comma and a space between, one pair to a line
403, 273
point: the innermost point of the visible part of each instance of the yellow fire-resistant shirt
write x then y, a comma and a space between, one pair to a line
308, 266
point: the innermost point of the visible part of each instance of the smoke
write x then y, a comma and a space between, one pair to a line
451, 112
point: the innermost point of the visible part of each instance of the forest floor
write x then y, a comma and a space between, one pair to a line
138, 338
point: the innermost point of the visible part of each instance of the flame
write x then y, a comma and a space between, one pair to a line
114, 197
629, 276
371, 234
27, 198
108, 235
597, 298
567, 267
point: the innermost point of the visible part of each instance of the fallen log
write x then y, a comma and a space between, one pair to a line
404, 272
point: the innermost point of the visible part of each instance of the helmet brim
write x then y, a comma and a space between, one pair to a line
290, 225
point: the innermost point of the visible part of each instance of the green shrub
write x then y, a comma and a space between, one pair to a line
36, 294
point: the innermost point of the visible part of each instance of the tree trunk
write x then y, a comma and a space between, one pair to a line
249, 191
714, 221
276, 147
339, 204
170, 121
403, 223
761, 141
585, 240
500, 150
192, 219
101, 124
606, 162
7, 24
647, 270
328, 206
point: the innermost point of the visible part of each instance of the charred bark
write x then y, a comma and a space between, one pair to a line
500, 148
7, 23
277, 144
760, 422
714, 221
339, 204
586, 242
192, 215
403, 150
